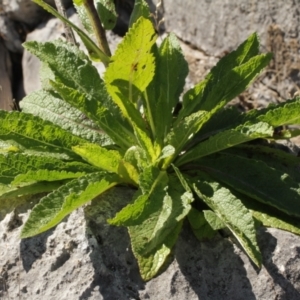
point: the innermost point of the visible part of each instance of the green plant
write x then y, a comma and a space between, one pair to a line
82, 135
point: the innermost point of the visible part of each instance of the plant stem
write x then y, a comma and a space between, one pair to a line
97, 26
150, 116
68, 30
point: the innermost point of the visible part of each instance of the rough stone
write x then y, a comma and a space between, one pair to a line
10, 35
218, 27
26, 11
85, 258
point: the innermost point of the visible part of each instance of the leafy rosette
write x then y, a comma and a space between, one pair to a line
197, 160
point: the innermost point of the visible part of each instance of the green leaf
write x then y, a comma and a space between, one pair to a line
271, 217
154, 218
245, 51
108, 160
9, 147
133, 61
255, 179
70, 66
278, 159
172, 71
182, 179
163, 93
130, 214
213, 220
105, 114
235, 82
141, 9
78, 2
55, 206
13, 164
94, 52
232, 213
146, 143
12, 147
191, 100
154, 222
219, 120
107, 13
79, 84
35, 133
51, 107
9, 194
195, 98
83, 16
165, 208
46, 74
274, 222
151, 263
152, 183
132, 69
45, 175
151, 178
229, 138
200, 227
128, 173
183, 132
137, 157
286, 113
98, 156
166, 152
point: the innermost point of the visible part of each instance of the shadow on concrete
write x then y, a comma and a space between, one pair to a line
116, 273
268, 244
212, 268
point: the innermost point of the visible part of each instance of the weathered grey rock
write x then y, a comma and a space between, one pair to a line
26, 11
15, 15
10, 35
217, 27
5, 78
85, 258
